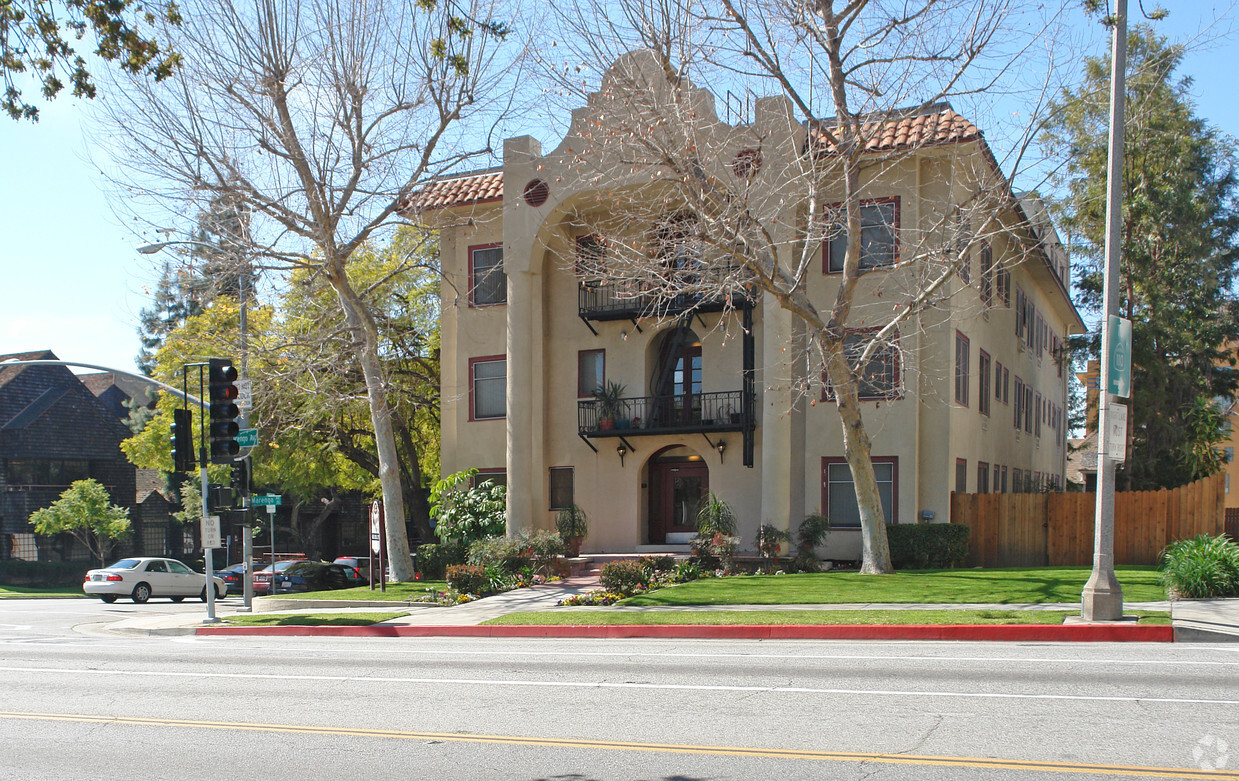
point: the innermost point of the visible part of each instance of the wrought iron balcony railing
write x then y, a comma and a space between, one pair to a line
630, 299
643, 415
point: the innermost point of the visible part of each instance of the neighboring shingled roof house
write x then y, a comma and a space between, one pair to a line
117, 390
53, 430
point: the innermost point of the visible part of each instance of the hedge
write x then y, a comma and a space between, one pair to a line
17, 572
433, 559
928, 545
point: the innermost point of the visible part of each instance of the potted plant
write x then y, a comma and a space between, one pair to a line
572, 526
610, 404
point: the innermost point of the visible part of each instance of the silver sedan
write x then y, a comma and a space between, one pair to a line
141, 578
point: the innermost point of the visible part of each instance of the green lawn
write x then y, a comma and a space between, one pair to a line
310, 619
40, 592
396, 592
785, 617
1004, 586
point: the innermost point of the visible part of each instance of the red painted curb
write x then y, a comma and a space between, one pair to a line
1049, 633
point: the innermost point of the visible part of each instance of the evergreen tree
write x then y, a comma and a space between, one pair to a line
1179, 253
171, 305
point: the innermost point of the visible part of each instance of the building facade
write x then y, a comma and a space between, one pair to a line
969, 395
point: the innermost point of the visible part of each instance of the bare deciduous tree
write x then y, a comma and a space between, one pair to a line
853, 84
318, 118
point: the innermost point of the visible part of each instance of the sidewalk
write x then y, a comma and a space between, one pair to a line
1214, 620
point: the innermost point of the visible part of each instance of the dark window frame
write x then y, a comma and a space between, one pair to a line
473, 288
828, 258
863, 383
983, 367
892, 460
580, 393
963, 368
473, 362
551, 489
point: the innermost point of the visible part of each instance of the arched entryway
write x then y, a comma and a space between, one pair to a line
679, 481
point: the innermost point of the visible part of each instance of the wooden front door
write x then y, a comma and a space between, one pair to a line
677, 489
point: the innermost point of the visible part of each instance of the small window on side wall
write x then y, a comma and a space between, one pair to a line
488, 388
488, 284
839, 492
879, 237
591, 372
561, 490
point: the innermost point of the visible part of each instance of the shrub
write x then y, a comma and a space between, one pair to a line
770, 541
810, 535
542, 545
656, 564
500, 553
1201, 567
684, 571
433, 560
928, 545
715, 517
571, 522
17, 572
626, 577
468, 579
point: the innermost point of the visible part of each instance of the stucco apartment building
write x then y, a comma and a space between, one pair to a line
970, 398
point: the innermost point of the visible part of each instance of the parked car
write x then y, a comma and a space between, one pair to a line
359, 563
233, 577
317, 576
141, 578
262, 578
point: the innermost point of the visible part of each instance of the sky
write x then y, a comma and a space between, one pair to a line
73, 283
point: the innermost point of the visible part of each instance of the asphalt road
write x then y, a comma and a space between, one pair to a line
78, 702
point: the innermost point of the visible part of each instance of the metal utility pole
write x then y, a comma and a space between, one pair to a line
1102, 599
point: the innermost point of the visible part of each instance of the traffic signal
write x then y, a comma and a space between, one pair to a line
183, 457
241, 476
222, 396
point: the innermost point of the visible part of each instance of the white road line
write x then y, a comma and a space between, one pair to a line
627, 685
790, 657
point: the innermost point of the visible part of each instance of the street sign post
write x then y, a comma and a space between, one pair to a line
245, 394
1117, 443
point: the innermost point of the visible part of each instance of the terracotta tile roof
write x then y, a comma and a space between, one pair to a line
908, 129
462, 190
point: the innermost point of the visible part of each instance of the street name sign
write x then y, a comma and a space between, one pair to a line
247, 437
1118, 373
269, 500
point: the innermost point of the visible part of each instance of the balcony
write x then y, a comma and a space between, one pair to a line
647, 415
633, 299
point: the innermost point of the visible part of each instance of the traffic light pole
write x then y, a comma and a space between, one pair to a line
203, 460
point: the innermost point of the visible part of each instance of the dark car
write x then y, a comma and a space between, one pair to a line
317, 576
233, 577
262, 577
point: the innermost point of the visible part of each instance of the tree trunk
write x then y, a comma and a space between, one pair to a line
875, 551
365, 335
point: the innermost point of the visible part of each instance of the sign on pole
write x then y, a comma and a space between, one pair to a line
1116, 442
376, 534
247, 437
269, 500
245, 394
1118, 373
211, 537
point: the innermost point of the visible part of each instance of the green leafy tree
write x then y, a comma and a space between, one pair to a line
37, 41
468, 512
171, 304
1179, 254
85, 510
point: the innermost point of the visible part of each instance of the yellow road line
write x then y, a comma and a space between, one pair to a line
979, 763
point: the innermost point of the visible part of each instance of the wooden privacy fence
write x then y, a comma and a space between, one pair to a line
1034, 530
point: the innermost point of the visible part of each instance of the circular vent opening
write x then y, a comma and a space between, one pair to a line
536, 192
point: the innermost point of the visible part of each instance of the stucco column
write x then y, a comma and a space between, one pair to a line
524, 347
782, 418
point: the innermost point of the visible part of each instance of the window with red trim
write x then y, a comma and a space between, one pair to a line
488, 380
961, 475
983, 378
881, 376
